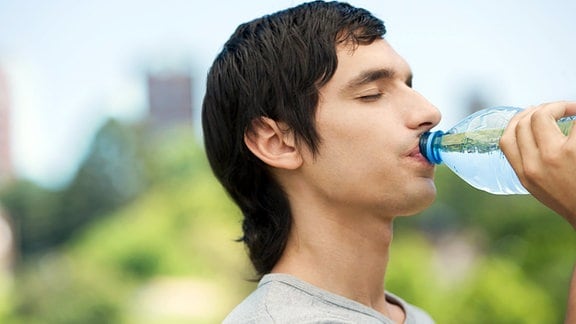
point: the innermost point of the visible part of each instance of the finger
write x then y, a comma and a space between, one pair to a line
508, 142
570, 109
547, 133
527, 146
544, 125
509, 132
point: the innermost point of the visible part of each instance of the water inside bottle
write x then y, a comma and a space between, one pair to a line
476, 157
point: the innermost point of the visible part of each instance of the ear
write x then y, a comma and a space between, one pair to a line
273, 143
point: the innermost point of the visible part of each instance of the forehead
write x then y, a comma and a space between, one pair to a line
354, 61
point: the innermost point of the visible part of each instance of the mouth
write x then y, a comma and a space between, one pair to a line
417, 155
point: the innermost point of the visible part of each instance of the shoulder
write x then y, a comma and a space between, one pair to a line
253, 309
280, 300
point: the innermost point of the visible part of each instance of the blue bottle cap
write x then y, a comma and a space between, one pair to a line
427, 147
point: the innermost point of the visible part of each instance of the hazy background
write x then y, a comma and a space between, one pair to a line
110, 214
72, 63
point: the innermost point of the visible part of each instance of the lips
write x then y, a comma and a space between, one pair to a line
415, 153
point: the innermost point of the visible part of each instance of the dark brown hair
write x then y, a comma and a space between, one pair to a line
273, 67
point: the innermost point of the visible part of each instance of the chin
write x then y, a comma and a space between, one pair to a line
419, 201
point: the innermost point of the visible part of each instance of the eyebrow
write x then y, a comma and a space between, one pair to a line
369, 76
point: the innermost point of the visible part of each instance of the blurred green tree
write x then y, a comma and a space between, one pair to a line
472, 257
111, 175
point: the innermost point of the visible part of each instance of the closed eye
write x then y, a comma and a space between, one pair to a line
371, 97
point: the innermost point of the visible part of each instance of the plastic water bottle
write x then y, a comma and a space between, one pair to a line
471, 149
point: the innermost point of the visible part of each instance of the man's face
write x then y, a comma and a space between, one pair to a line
369, 120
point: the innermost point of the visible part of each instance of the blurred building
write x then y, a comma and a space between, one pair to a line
6, 170
169, 99
6, 175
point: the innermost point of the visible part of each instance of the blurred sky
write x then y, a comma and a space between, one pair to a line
71, 64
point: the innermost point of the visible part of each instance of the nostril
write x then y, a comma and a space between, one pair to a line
426, 126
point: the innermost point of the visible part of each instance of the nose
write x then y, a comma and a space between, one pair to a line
422, 113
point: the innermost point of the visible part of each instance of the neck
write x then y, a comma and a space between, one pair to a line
343, 254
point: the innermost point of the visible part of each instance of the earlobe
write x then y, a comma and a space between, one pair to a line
273, 144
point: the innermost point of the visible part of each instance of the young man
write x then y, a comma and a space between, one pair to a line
312, 126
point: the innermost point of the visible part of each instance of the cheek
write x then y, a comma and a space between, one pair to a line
358, 137
366, 165
363, 152
362, 148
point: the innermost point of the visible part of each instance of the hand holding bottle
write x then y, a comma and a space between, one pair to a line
543, 157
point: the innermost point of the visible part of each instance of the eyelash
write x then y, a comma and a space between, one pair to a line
371, 98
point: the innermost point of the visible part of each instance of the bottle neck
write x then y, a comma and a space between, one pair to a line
429, 146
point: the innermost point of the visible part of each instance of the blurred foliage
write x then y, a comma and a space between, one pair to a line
110, 175
144, 234
180, 225
486, 258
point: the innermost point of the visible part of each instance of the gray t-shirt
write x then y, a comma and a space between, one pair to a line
282, 298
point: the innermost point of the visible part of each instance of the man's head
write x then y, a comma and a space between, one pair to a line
272, 69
